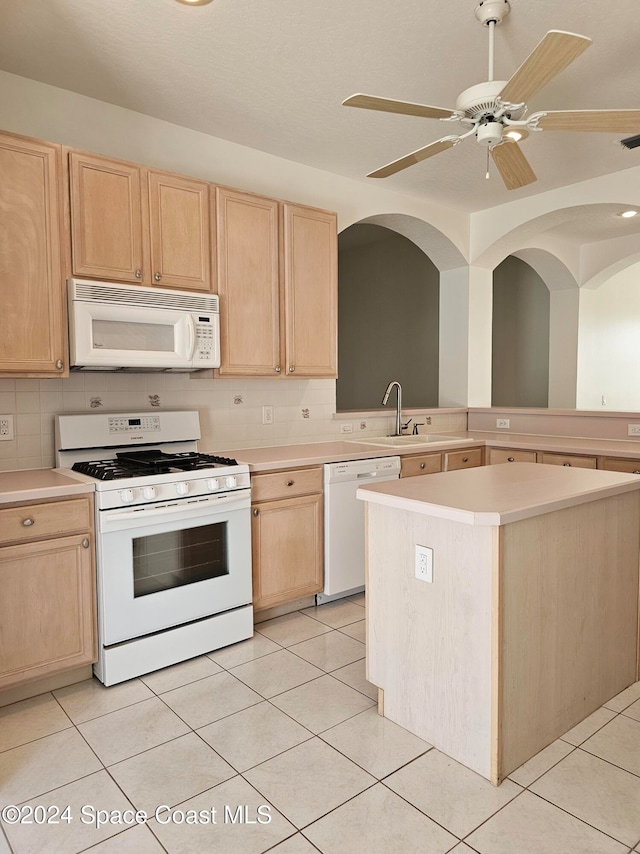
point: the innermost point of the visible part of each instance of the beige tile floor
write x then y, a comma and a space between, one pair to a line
287, 721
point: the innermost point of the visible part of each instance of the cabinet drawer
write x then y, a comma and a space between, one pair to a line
285, 484
615, 464
508, 455
462, 459
568, 460
420, 464
35, 521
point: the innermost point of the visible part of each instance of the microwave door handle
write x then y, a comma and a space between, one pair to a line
191, 327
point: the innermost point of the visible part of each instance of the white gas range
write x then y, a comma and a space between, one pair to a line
173, 538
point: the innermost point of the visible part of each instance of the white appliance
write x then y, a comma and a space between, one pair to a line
344, 537
173, 538
119, 327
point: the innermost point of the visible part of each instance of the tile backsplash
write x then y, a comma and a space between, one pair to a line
230, 410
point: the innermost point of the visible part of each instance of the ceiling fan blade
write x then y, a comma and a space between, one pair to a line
611, 121
414, 157
389, 105
512, 165
552, 55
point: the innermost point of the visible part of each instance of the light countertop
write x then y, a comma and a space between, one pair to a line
317, 453
37, 484
498, 495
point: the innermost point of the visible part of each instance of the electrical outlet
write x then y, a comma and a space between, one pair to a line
346, 428
267, 414
503, 422
6, 428
633, 429
424, 563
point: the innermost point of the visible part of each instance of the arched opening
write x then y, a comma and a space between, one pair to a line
388, 310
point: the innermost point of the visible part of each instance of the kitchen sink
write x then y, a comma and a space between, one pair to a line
408, 441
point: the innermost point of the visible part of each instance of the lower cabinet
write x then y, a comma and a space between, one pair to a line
48, 602
287, 536
509, 455
416, 464
567, 460
466, 459
628, 466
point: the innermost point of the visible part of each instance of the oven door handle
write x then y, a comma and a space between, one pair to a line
241, 500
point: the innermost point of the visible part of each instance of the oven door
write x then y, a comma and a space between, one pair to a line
165, 564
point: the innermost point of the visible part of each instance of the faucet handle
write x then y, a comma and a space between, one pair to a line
417, 424
406, 426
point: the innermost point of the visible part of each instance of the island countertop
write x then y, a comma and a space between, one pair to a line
498, 495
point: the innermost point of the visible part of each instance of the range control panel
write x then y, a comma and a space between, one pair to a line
125, 424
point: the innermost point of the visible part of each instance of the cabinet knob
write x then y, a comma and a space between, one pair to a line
291, 368
465, 459
637, 471
157, 277
28, 522
59, 364
290, 482
566, 464
85, 543
277, 369
510, 459
255, 511
423, 465
138, 274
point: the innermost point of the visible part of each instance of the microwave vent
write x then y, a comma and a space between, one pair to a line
134, 295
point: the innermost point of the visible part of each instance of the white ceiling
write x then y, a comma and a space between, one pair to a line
272, 75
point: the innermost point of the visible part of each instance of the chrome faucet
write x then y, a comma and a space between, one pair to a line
385, 398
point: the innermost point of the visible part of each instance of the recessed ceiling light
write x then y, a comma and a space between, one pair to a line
628, 214
517, 135
194, 2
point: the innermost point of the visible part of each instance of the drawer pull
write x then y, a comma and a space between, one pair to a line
636, 471
566, 464
85, 543
510, 459
290, 482
465, 459
423, 465
28, 522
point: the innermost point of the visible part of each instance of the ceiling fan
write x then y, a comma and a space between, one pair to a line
495, 111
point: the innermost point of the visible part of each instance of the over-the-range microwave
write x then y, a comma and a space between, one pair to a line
127, 327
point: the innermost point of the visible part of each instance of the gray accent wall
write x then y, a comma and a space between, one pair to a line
388, 307
520, 336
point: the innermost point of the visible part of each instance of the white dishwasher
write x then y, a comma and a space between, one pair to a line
344, 522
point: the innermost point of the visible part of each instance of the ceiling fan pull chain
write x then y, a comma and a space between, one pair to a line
487, 176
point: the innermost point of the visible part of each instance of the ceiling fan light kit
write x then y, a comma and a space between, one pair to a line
495, 111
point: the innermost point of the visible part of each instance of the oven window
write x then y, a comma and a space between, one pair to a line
162, 561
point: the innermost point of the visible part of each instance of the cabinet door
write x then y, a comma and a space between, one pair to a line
47, 608
179, 229
454, 460
287, 547
248, 283
32, 322
310, 291
574, 460
106, 218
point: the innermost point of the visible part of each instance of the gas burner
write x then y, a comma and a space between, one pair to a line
142, 463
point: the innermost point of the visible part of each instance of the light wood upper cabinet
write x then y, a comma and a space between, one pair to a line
106, 218
278, 287
310, 275
179, 230
32, 326
248, 283
130, 224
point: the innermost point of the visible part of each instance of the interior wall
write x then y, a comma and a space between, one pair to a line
609, 344
520, 336
388, 307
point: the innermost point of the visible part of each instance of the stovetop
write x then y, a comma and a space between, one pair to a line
144, 463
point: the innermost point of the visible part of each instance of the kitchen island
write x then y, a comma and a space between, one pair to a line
530, 621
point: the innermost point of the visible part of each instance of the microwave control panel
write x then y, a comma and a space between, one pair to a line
205, 338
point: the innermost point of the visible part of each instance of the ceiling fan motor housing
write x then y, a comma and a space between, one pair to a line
482, 100
489, 133
488, 11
